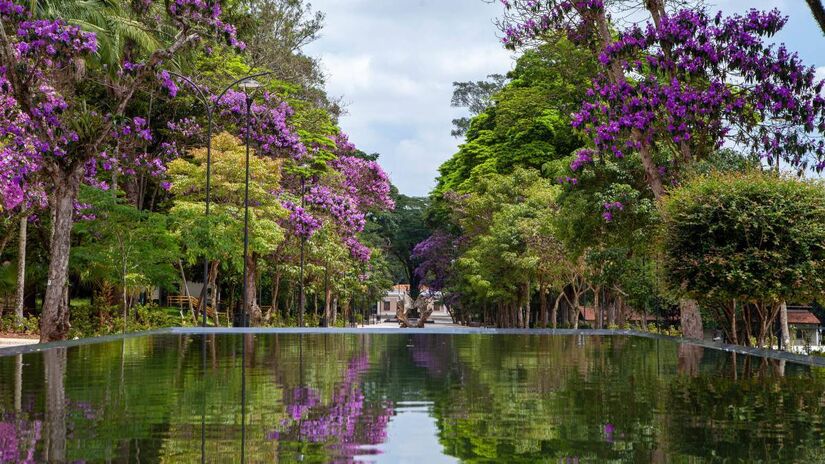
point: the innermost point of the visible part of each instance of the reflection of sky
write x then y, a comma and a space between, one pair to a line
412, 437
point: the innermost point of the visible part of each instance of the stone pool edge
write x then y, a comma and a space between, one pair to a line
758, 352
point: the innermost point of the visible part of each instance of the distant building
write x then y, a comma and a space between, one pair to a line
398, 294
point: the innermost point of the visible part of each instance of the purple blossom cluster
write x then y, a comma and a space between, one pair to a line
698, 80
365, 181
342, 208
271, 130
10, 9
434, 256
343, 147
168, 82
301, 222
186, 127
128, 154
53, 41
610, 208
716, 74
358, 250
530, 18
42, 48
583, 157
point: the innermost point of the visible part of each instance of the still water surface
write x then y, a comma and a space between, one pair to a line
406, 398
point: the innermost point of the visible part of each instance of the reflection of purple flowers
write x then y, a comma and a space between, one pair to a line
18, 438
303, 399
608, 432
426, 355
345, 423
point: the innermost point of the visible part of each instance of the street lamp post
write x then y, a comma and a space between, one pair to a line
210, 107
247, 86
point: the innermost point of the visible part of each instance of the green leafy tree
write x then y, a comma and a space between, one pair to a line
123, 246
221, 239
743, 243
398, 232
528, 123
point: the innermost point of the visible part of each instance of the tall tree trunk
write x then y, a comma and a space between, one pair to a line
565, 313
185, 290
276, 289
54, 321
691, 319
334, 310
327, 299
554, 315
20, 296
783, 322
597, 307
543, 305
575, 309
611, 311
253, 311
527, 309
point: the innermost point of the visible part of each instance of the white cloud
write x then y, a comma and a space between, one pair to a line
394, 64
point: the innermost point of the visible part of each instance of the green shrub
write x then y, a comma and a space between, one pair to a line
27, 326
747, 236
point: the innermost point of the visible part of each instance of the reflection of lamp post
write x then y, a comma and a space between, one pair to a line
247, 86
210, 111
302, 389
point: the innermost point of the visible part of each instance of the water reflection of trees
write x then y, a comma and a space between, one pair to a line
348, 423
329, 397
143, 399
531, 398
760, 410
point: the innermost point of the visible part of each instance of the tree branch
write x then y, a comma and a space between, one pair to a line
818, 10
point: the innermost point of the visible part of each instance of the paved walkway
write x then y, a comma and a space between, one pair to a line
440, 320
6, 342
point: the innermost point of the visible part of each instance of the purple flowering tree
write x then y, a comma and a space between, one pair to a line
676, 89
53, 134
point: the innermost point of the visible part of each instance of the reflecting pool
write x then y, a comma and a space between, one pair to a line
406, 397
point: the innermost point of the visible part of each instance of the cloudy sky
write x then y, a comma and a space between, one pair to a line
394, 61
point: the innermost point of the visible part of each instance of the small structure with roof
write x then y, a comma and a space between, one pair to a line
805, 327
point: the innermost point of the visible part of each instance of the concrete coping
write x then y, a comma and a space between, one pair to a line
757, 352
